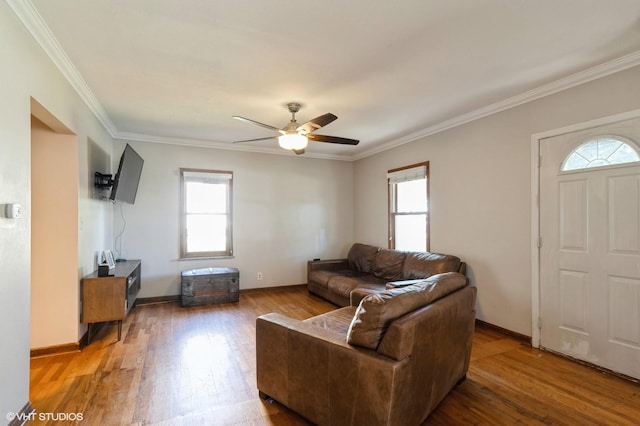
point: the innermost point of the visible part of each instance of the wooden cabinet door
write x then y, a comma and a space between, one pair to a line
103, 299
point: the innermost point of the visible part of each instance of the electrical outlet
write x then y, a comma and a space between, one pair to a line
259, 275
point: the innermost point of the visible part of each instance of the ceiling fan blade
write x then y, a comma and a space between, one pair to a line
257, 123
316, 123
332, 139
258, 139
298, 151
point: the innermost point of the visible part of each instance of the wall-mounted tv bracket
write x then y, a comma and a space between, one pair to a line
102, 181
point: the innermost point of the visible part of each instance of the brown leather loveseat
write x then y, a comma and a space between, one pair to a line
369, 269
388, 361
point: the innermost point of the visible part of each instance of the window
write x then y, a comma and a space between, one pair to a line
601, 151
409, 207
206, 213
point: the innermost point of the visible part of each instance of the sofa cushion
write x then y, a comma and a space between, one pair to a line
376, 311
388, 264
343, 285
424, 264
337, 320
322, 276
362, 257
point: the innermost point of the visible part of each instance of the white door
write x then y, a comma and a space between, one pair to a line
590, 247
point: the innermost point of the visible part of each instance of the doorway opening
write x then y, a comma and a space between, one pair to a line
55, 291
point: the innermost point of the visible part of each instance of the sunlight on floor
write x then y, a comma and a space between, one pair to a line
205, 350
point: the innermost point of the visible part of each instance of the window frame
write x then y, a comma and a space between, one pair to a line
228, 252
392, 203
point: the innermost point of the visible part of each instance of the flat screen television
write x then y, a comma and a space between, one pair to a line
125, 183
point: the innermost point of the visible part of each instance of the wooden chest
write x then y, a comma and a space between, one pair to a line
210, 285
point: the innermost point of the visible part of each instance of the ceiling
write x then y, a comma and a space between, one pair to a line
177, 70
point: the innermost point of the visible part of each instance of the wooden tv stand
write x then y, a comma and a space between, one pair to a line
110, 298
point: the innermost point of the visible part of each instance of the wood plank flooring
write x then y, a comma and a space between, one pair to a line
196, 366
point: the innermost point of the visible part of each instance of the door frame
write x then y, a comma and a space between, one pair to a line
536, 140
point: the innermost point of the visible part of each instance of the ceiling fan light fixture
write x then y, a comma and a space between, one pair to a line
293, 141
295, 137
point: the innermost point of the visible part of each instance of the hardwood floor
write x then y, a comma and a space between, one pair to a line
195, 366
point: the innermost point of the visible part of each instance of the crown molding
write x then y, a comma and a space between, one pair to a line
201, 143
31, 19
599, 71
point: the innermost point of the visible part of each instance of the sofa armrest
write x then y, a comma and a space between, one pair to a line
276, 356
327, 265
315, 372
280, 325
433, 278
403, 283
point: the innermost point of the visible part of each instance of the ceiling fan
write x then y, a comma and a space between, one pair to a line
295, 137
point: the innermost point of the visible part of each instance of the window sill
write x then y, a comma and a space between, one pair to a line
181, 259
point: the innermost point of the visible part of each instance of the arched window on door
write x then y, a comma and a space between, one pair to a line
601, 151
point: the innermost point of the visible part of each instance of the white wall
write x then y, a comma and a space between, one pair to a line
481, 190
27, 72
286, 210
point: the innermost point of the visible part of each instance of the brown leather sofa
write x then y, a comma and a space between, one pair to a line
388, 361
369, 269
